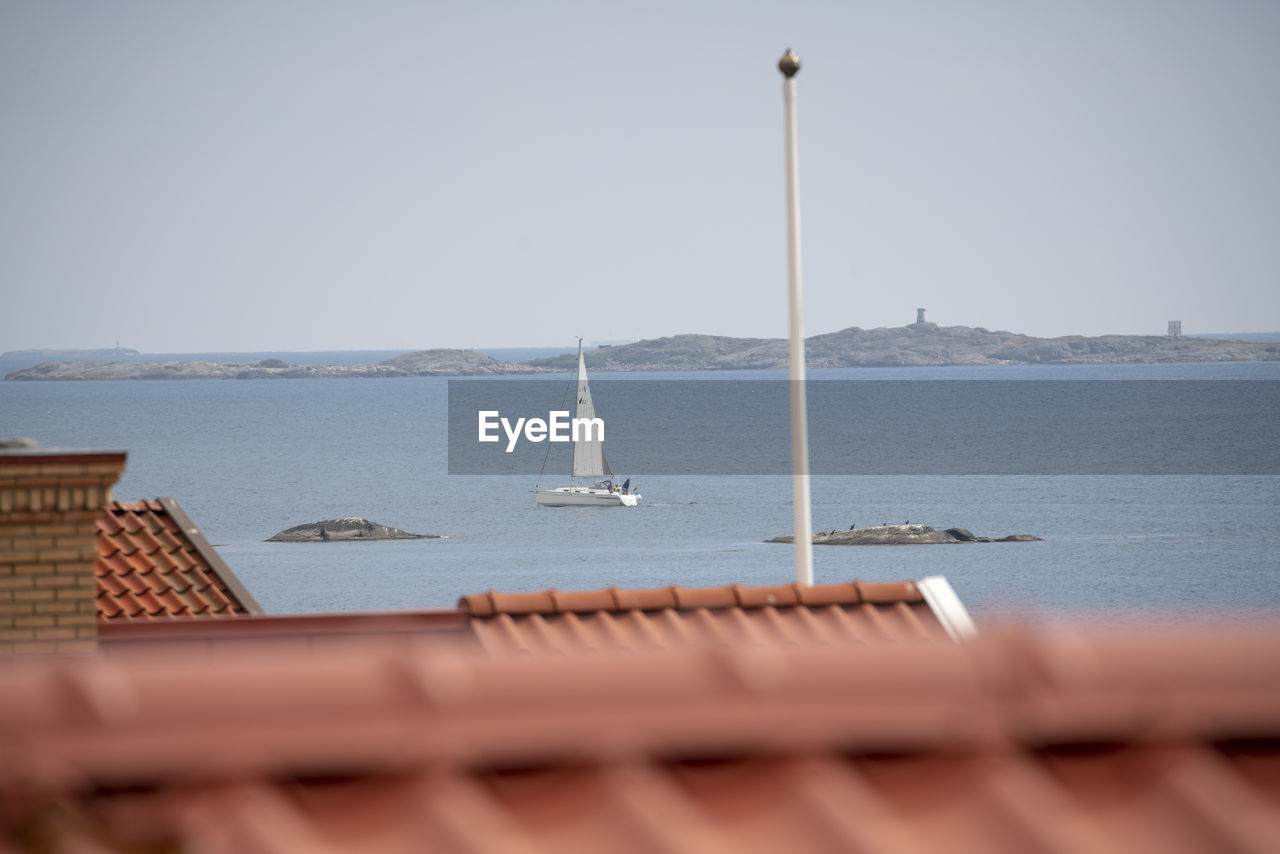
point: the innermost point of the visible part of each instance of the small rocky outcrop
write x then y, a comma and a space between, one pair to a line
343, 530
902, 535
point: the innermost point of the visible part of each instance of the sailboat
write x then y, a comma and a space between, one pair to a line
588, 463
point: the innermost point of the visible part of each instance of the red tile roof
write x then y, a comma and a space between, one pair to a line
1163, 741
153, 563
609, 620
615, 619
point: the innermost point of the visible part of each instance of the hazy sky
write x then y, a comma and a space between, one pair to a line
188, 176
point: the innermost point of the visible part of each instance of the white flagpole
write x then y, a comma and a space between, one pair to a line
789, 65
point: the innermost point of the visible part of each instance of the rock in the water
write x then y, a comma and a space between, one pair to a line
342, 530
902, 535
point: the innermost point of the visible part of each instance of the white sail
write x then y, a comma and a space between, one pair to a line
588, 449
588, 461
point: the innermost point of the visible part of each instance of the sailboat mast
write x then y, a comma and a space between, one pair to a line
582, 375
577, 400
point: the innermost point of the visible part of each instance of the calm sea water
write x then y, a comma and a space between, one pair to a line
249, 458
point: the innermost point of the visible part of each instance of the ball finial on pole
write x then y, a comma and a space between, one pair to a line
789, 65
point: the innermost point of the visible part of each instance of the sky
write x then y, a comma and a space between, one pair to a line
182, 176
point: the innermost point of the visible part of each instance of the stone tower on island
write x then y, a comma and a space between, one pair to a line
921, 325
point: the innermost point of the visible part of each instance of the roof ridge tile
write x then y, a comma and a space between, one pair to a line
759, 597
676, 596
851, 611
580, 602
653, 599
887, 592
703, 597
844, 593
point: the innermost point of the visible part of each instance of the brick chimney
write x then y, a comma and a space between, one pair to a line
49, 501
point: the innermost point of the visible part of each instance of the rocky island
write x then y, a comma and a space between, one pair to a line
424, 363
916, 345
902, 535
451, 363
342, 530
920, 344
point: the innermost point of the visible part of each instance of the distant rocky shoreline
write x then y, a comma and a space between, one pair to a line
903, 535
424, 363
915, 345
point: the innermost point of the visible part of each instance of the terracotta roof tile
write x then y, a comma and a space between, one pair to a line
1016, 741
109, 525
126, 544
615, 619
602, 621
122, 606
296, 631
146, 541
172, 602
153, 563
552, 621
735, 596
168, 541
151, 603
643, 600
758, 597
131, 578
109, 583
217, 600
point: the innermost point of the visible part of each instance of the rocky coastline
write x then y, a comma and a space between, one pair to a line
916, 345
424, 363
905, 534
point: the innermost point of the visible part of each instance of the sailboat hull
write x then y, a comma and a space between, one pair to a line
583, 496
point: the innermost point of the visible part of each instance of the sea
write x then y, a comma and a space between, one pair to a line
249, 458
